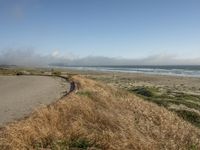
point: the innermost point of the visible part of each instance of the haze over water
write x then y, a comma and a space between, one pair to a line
99, 32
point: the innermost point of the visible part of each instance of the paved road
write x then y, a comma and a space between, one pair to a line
19, 95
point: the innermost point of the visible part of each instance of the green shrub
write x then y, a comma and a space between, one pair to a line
56, 73
144, 91
19, 73
190, 116
80, 143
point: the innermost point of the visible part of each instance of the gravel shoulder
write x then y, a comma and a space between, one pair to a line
20, 95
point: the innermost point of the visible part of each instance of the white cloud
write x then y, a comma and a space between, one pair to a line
55, 53
29, 57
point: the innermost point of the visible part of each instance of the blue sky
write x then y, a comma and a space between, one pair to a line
111, 28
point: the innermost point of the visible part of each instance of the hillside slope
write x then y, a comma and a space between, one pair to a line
100, 117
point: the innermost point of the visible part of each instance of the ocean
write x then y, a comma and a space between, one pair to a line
191, 71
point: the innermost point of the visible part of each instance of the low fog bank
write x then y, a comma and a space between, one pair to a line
31, 58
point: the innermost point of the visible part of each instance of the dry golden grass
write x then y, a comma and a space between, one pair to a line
100, 117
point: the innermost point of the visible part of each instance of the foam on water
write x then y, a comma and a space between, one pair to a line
191, 71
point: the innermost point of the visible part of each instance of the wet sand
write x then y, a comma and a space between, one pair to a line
20, 95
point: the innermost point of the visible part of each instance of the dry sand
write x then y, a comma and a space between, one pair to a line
20, 95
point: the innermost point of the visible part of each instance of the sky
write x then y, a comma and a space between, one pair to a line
127, 31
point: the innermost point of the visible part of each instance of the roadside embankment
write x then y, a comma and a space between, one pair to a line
98, 116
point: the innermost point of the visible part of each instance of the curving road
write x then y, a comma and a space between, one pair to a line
20, 95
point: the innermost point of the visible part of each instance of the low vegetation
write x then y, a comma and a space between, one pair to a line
182, 100
187, 106
5, 71
22, 71
100, 117
56, 73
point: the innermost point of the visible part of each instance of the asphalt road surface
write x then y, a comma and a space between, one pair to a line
20, 95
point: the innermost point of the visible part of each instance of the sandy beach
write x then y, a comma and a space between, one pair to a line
125, 80
20, 95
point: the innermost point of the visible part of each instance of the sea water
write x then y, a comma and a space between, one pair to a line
192, 71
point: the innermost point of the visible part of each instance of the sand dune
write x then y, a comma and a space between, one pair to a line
97, 117
19, 95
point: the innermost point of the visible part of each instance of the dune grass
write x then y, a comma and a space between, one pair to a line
100, 117
182, 100
191, 110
